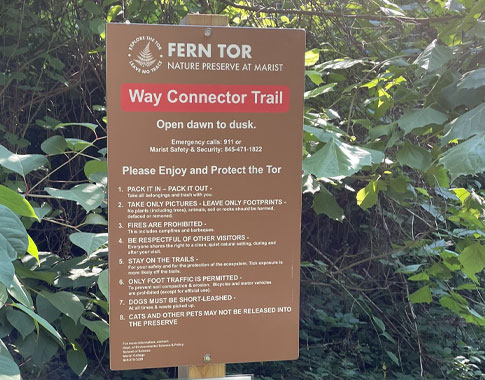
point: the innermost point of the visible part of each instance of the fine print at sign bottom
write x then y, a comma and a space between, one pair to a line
232, 377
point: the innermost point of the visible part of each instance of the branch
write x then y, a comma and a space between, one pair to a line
403, 19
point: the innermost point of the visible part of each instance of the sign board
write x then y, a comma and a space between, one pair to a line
204, 145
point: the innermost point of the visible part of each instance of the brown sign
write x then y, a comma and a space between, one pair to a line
204, 147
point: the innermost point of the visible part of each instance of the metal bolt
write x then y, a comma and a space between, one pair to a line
208, 32
207, 358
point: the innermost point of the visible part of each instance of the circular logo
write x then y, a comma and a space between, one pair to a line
144, 54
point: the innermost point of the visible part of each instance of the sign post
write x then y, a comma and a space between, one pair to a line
208, 370
204, 147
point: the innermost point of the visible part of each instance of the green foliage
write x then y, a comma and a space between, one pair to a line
393, 251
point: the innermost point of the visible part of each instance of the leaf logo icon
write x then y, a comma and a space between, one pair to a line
145, 58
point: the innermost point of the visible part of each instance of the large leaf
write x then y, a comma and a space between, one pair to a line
54, 145
13, 231
103, 283
21, 321
466, 158
325, 203
414, 156
46, 310
15, 202
8, 368
319, 90
434, 57
418, 118
45, 350
100, 328
473, 260
41, 321
7, 270
77, 359
337, 160
3, 295
91, 126
18, 291
66, 302
368, 196
311, 57
88, 241
21, 163
467, 125
88, 195
339, 64
472, 79
95, 166
422, 295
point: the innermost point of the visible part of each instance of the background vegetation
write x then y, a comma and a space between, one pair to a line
393, 237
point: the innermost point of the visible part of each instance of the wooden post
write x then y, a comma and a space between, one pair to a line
209, 370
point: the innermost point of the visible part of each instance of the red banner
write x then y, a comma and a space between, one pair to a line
149, 97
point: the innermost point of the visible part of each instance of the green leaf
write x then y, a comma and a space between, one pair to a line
46, 310
42, 322
393, 357
467, 286
419, 277
13, 232
96, 219
77, 359
319, 90
312, 57
367, 196
473, 260
97, 26
66, 302
409, 268
340, 64
54, 145
103, 283
314, 76
7, 270
434, 57
42, 275
379, 323
422, 295
88, 241
46, 349
100, 328
325, 203
18, 291
337, 160
467, 125
453, 305
42, 211
8, 368
472, 79
89, 196
70, 329
414, 156
95, 166
21, 164
3, 294
465, 158
91, 126
32, 249
418, 118
15, 202
21, 321
77, 144
437, 176
113, 12
92, 7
